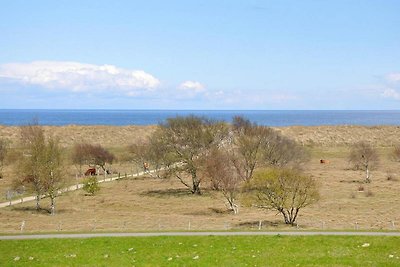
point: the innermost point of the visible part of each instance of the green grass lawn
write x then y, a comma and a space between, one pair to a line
204, 251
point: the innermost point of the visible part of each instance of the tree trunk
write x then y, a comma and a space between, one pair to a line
196, 188
52, 205
367, 179
37, 202
196, 183
289, 216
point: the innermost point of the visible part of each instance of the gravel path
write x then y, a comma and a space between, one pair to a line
291, 233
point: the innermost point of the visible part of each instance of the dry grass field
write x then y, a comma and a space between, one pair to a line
148, 204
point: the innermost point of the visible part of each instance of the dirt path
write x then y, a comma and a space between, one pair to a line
291, 233
72, 188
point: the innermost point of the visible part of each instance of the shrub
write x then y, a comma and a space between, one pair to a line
91, 185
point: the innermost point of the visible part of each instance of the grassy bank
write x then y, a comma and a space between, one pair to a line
204, 251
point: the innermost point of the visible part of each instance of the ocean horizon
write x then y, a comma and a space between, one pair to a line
61, 117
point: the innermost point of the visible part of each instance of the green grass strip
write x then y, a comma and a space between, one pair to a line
204, 251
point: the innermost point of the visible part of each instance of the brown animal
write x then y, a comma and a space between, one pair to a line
145, 166
323, 161
90, 171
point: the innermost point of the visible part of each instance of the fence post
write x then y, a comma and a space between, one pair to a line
22, 226
259, 225
94, 225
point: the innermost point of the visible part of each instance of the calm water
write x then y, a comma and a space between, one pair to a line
148, 117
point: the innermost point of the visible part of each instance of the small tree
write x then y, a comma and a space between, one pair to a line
42, 165
80, 156
184, 141
223, 176
3, 153
88, 154
257, 146
52, 171
364, 157
281, 151
29, 170
91, 185
284, 190
101, 156
249, 140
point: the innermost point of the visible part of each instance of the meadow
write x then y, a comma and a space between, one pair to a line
151, 204
204, 251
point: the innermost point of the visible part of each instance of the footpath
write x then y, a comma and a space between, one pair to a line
73, 188
147, 234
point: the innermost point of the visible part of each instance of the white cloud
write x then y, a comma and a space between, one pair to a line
393, 77
391, 93
79, 77
192, 86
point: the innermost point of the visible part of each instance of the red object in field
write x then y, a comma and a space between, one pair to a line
323, 161
90, 171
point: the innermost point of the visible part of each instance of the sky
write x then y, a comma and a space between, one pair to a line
258, 55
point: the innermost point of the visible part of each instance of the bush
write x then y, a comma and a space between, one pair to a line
91, 185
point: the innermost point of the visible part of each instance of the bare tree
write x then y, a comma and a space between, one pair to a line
364, 157
3, 153
249, 140
52, 171
284, 190
257, 146
281, 151
139, 153
223, 176
184, 141
91, 155
42, 165
101, 156
80, 156
29, 170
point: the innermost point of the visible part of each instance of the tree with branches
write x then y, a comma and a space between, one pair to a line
29, 169
364, 157
184, 141
52, 171
42, 165
285, 190
259, 146
223, 176
91, 155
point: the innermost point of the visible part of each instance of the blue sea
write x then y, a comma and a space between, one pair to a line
148, 117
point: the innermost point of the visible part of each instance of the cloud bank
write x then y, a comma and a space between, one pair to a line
79, 77
192, 86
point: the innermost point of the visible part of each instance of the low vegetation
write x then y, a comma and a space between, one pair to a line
91, 185
205, 251
282, 190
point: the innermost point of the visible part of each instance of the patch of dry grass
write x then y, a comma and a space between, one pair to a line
148, 204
